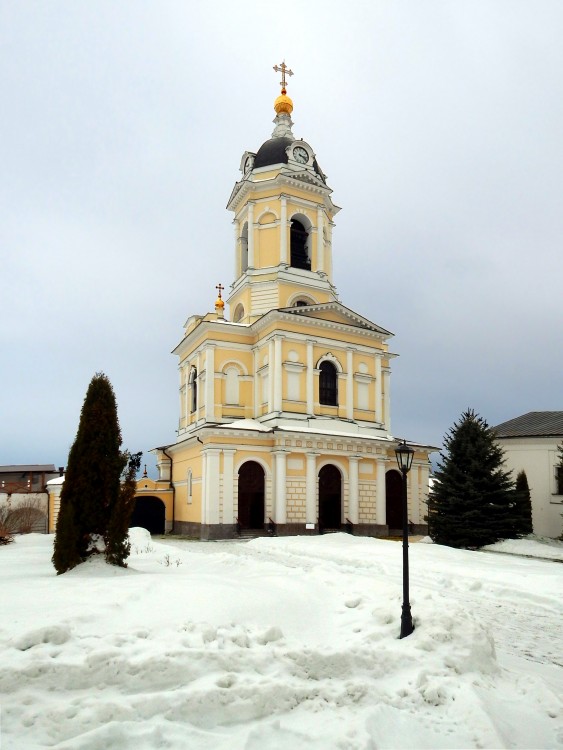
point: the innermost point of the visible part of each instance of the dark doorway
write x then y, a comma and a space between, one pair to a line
330, 498
149, 514
251, 496
393, 500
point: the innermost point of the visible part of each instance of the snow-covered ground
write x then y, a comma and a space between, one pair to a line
280, 643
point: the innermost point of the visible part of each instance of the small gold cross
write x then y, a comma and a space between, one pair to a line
219, 288
284, 69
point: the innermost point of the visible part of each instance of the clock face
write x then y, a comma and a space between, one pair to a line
301, 155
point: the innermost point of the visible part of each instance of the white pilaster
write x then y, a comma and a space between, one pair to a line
197, 384
311, 488
271, 358
283, 231
310, 378
378, 391
212, 485
414, 511
204, 494
210, 383
320, 240
328, 251
387, 399
353, 489
349, 385
278, 373
256, 384
228, 485
424, 490
280, 499
238, 259
251, 234
380, 510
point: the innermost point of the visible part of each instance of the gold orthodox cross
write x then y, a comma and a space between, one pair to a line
219, 288
284, 69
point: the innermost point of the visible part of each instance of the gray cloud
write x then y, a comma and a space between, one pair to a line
439, 125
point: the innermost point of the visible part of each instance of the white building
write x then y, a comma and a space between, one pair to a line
530, 444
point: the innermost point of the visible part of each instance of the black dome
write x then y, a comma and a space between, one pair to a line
274, 152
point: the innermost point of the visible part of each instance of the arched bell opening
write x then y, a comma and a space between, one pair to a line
300, 249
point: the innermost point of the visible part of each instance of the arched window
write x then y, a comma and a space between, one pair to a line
239, 313
299, 255
193, 385
190, 486
328, 384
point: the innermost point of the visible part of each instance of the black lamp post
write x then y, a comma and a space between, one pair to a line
405, 455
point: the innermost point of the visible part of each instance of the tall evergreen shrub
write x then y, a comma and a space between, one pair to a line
472, 500
523, 506
117, 541
92, 479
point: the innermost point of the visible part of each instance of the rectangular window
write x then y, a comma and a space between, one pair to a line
559, 480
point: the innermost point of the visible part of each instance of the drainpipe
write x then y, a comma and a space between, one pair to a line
173, 490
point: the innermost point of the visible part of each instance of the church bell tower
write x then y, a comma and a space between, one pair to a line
283, 223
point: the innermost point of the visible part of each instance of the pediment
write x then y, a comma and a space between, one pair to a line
335, 312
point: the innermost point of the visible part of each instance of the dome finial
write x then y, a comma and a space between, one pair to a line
283, 104
219, 304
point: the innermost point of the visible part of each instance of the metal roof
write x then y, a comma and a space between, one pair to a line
532, 424
21, 468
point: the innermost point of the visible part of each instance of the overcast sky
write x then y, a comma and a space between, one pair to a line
439, 125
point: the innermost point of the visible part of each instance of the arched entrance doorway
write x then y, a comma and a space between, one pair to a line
251, 496
330, 498
393, 500
149, 513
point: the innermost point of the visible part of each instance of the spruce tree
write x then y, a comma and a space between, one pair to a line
92, 479
472, 501
523, 506
117, 541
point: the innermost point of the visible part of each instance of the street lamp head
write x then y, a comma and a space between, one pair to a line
405, 456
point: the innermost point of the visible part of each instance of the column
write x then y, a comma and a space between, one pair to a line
311, 488
414, 512
228, 485
283, 230
238, 259
387, 399
271, 376
210, 383
320, 240
280, 497
278, 373
212, 486
310, 379
378, 391
353, 489
380, 511
250, 234
349, 385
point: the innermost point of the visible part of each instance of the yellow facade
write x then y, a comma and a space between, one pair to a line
284, 403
